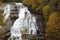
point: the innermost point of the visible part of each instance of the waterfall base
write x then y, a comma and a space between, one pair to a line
28, 37
14, 38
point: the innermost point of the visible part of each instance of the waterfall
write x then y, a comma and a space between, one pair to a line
6, 13
25, 21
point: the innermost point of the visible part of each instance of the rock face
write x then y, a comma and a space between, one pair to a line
4, 31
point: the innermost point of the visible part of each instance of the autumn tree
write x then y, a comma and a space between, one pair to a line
52, 27
35, 6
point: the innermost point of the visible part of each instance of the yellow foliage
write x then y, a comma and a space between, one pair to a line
25, 2
52, 27
46, 8
52, 19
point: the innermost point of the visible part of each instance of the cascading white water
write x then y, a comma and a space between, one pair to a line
24, 20
6, 13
